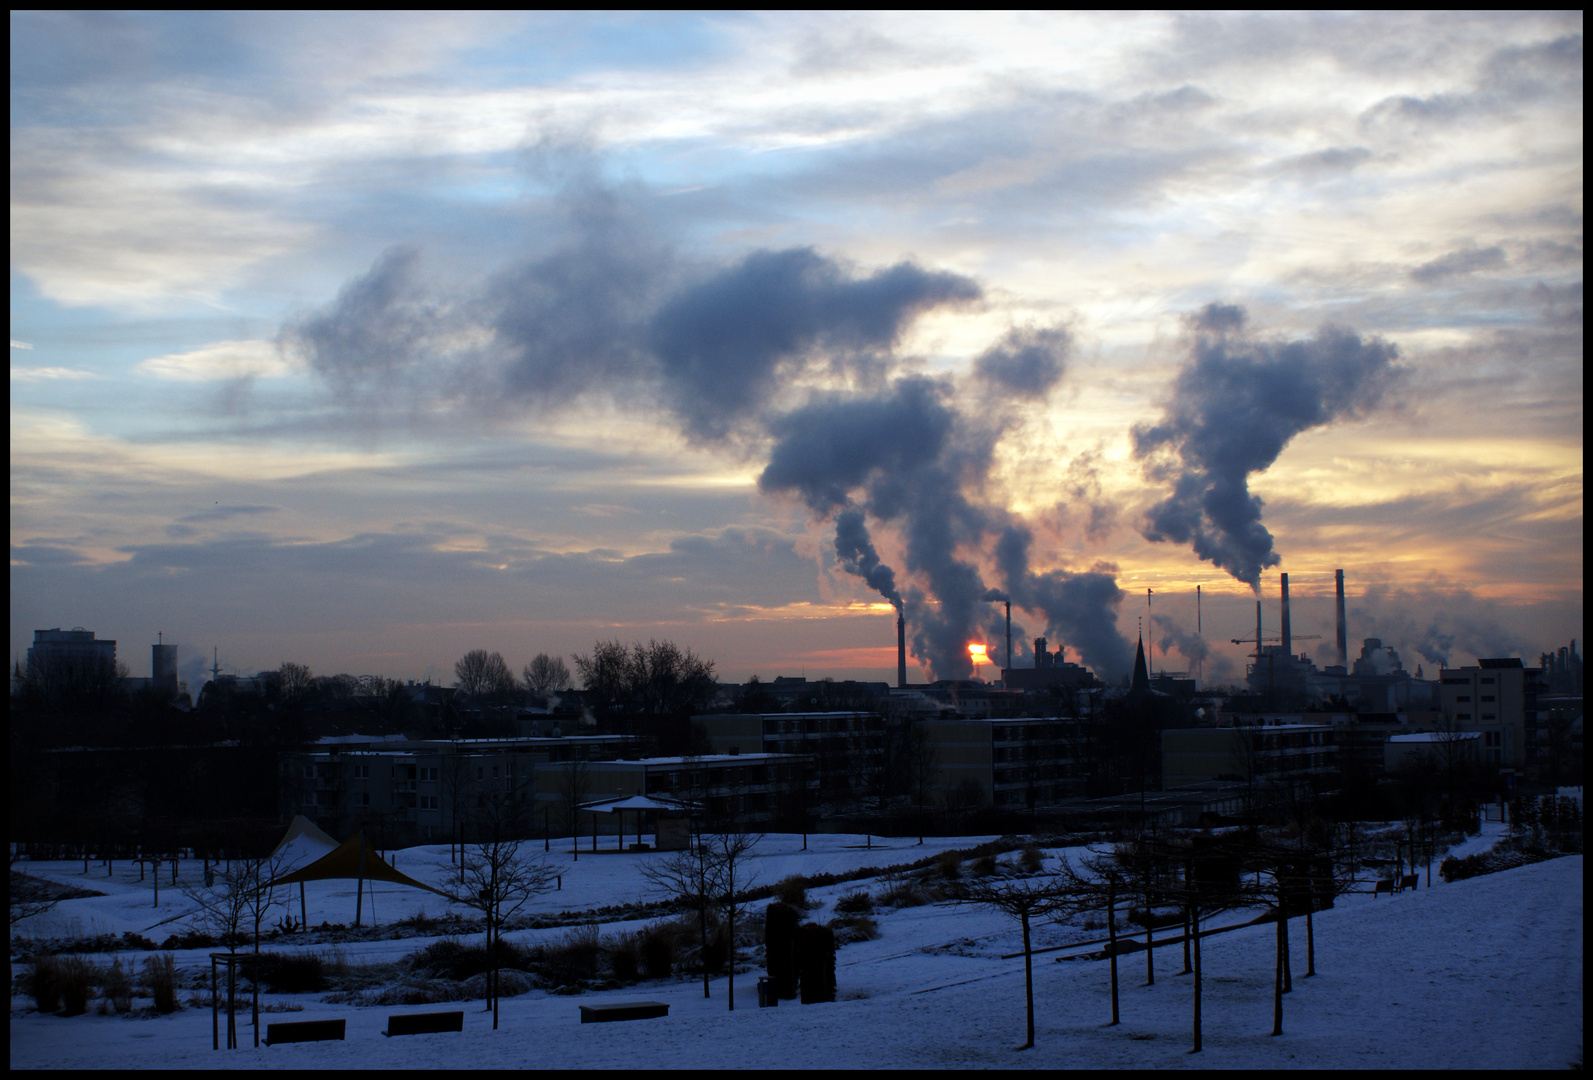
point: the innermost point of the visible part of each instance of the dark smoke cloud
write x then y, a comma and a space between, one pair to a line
1080, 608
903, 455
1029, 360
726, 344
788, 346
855, 550
831, 446
1232, 410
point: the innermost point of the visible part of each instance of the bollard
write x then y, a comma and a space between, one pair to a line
767, 998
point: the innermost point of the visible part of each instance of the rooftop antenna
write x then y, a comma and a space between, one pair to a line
1200, 665
215, 667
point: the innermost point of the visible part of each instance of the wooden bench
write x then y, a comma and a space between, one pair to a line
1385, 885
1410, 881
623, 1010
305, 1031
424, 1023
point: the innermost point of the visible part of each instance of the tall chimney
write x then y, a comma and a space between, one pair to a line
1009, 635
1288, 640
1344, 630
1258, 633
901, 651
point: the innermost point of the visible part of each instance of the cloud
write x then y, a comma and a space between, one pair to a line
1458, 263
223, 513
223, 360
49, 374
1234, 406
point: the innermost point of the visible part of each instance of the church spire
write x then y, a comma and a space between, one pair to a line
1141, 675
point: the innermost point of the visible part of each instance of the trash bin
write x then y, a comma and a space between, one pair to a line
767, 998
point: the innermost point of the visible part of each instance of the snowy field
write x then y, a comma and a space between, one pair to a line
1481, 973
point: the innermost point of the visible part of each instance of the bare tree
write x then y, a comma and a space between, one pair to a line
546, 675
294, 682
1022, 900
484, 674
691, 878
575, 786
499, 875
730, 851
921, 765
234, 908
1101, 885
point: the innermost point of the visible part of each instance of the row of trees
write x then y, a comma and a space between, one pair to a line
1198, 878
481, 674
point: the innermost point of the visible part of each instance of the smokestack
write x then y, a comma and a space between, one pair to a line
1041, 658
1009, 635
901, 651
1344, 630
1288, 641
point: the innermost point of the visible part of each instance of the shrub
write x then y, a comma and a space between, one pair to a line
160, 972
903, 892
793, 891
949, 864
77, 983
573, 958
815, 957
779, 947
984, 866
292, 973
1031, 859
624, 957
45, 983
855, 903
655, 947
850, 928
116, 988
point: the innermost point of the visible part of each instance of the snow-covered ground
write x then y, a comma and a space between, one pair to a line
1482, 973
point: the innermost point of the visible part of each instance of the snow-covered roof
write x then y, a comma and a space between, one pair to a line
1435, 736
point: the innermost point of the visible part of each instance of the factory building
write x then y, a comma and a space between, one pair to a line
69, 654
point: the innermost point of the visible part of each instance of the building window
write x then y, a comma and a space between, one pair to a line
1464, 697
1486, 697
362, 772
308, 799
1463, 716
429, 772
481, 773
428, 802
362, 799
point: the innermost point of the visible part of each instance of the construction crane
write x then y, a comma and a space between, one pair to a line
1259, 637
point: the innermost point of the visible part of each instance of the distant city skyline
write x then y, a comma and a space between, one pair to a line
365, 340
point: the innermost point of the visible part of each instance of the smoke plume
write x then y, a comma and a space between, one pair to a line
788, 350
1233, 408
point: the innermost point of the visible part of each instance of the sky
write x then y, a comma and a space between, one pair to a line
363, 340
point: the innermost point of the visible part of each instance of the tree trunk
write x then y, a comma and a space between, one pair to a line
1310, 943
1028, 982
1111, 944
1194, 926
702, 936
1186, 943
1150, 966
1277, 980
